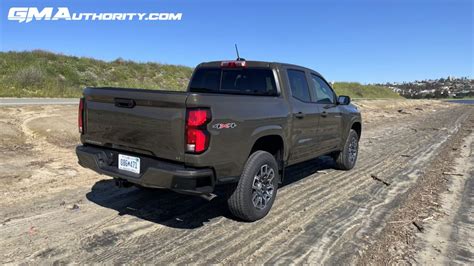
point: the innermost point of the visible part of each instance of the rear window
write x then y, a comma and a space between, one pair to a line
250, 81
299, 85
206, 80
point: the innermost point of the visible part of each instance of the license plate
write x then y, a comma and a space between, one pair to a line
129, 163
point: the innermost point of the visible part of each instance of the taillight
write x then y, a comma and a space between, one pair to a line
80, 116
197, 137
233, 64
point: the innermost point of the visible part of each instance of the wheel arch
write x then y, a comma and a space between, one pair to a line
352, 123
271, 140
269, 143
357, 126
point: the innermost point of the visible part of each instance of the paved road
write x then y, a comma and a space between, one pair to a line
465, 101
36, 101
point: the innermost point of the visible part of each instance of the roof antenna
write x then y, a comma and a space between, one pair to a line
238, 56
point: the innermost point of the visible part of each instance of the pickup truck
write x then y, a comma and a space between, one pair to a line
239, 122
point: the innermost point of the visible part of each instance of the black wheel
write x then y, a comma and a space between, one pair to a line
255, 193
346, 159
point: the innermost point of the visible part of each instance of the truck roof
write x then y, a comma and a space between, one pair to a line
254, 64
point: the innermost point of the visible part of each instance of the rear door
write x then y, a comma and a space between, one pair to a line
305, 117
330, 123
141, 121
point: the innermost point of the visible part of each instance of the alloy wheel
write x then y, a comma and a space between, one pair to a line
262, 187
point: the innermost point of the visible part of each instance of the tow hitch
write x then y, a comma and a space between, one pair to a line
122, 183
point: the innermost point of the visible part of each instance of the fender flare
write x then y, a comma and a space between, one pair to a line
269, 130
350, 123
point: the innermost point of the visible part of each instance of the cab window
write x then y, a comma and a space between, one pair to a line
253, 81
299, 85
246, 81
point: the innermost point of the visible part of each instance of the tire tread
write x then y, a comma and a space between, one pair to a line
341, 159
236, 202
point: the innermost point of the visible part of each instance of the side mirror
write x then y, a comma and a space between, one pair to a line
343, 100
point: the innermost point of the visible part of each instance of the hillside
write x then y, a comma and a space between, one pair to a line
45, 74
357, 90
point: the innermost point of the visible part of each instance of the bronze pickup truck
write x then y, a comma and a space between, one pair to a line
239, 122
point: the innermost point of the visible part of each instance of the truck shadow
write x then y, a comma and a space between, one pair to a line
178, 210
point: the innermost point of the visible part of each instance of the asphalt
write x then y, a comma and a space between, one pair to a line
37, 101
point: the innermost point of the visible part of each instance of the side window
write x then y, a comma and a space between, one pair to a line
323, 92
299, 85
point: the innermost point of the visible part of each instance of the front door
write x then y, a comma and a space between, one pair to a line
330, 123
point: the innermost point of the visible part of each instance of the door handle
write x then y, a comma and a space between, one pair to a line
299, 115
324, 114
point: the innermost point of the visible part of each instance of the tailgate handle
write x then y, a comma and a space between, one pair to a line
124, 103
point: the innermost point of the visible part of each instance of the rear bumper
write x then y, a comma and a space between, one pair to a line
154, 173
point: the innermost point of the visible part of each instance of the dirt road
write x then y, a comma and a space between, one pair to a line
450, 239
54, 211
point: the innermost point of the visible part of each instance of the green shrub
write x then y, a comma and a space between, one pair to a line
357, 90
31, 76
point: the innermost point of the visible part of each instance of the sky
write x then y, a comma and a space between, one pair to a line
367, 41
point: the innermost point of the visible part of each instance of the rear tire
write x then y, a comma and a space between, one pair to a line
346, 159
256, 190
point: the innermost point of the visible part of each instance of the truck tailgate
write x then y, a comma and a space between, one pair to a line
141, 121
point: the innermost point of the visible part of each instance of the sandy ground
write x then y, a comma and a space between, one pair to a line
450, 239
54, 211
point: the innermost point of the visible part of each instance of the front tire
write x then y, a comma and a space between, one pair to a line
346, 159
256, 191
